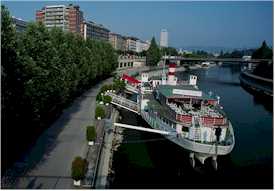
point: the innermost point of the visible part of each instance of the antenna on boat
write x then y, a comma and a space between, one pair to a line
218, 98
163, 72
164, 62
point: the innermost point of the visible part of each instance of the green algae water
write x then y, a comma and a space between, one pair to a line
146, 160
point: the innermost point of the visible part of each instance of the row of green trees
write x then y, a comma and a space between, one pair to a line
264, 69
42, 72
264, 52
197, 54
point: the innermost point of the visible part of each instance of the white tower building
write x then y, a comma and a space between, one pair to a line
164, 38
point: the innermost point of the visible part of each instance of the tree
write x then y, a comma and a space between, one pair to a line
42, 72
264, 52
221, 54
90, 133
169, 51
14, 111
153, 54
79, 167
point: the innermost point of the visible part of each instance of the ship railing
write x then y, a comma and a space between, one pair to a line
131, 88
123, 101
156, 122
182, 82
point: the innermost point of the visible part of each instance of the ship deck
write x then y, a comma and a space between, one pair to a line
164, 111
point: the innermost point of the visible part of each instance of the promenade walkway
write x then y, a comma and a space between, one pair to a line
48, 164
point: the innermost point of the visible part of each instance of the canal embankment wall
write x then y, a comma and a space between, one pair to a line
105, 158
256, 83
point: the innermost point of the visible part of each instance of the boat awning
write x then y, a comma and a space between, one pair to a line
130, 79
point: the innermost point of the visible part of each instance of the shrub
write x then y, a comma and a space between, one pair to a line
99, 97
107, 99
106, 87
79, 167
99, 112
119, 85
90, 133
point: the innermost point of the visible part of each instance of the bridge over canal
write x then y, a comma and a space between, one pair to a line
216, 60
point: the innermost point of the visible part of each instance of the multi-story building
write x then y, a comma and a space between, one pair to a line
75, 18
40, 15
68, 18
163, 38
141, 46
117, 41
131, 43
19, 24
95, 31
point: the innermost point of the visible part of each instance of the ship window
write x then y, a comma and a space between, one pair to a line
185, 129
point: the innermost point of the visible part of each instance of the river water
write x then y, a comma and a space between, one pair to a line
146, 160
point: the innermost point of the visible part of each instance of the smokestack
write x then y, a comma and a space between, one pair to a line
171, 74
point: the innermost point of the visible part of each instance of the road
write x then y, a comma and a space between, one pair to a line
48, 164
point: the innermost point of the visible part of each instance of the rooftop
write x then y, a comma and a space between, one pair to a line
96, 25
167, 91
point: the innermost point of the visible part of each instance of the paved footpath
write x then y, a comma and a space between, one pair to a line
48, 163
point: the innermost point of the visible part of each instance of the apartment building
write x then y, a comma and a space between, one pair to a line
141, 46
19, 24
131, 43
95, 31
68, 18
117, 41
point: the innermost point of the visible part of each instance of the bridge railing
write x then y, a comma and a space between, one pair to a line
119, 100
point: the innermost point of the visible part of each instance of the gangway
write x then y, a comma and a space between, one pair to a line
131, 89
144, 129
124, 103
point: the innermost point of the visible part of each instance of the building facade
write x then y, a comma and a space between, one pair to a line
19, 24
130, 61
131, 44
117, 41
164, 38
95, 31
141, 46
68, 18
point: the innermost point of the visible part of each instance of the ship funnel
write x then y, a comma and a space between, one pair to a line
171, 74
192, 80
144, 77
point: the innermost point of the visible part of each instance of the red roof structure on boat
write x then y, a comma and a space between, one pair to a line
130, 79
172, 65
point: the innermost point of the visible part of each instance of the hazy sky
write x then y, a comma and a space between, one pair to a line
226, 24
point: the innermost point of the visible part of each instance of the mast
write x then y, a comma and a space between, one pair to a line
163, 80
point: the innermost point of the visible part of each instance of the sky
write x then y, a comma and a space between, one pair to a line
232, 24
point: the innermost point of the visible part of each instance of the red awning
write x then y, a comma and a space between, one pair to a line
172, 65
130, 79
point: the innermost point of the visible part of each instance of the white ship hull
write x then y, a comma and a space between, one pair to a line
204, 150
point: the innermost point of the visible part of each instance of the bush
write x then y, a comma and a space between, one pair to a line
106, 87
99, 97
119, 85
107, 99
99, 112
79, 167
90, 133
